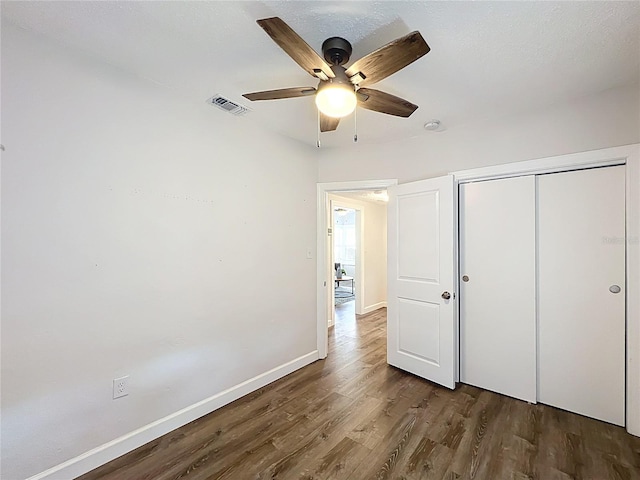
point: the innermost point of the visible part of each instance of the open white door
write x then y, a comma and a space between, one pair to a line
420, 327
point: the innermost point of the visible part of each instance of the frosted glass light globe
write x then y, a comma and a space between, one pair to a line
336, 100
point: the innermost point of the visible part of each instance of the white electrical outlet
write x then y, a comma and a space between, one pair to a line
121, 387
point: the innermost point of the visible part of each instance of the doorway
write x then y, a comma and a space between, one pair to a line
365, 264
346, 243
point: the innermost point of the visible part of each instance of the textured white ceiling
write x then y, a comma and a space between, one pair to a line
487, 59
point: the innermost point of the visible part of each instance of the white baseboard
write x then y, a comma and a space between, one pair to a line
105, 453
373, 307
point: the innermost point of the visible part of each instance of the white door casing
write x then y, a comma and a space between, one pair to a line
498, 286
421, 330
331, 297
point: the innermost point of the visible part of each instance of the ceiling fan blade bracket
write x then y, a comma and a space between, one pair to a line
320, 74
357, 78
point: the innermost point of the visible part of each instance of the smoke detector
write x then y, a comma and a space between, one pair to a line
433, 125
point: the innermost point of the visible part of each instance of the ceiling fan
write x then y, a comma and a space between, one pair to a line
340, 89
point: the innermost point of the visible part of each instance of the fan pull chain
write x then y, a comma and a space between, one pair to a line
355, 125
318, 142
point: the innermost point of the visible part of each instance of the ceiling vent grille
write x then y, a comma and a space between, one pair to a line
227, 105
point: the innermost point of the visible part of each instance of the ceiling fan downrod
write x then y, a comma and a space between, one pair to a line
355, 126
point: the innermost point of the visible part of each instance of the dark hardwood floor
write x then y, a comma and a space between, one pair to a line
353, 417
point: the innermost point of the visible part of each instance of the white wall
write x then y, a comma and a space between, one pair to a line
374, 252
140, 237
609, 119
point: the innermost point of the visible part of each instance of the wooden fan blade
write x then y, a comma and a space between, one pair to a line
280, 93
327, 123
389, 59
296, 47
385, 103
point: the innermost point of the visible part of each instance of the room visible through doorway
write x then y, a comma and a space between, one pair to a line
357, 250
344, 256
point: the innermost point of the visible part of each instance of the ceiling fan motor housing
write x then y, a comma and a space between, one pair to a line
339, 79
336, 50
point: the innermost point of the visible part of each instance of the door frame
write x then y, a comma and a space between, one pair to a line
324, 273
628, 155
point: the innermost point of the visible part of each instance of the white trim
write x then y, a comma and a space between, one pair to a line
357, 185
331, 297
322, 311
359, 273
372, 308
633, 289
323, 190
574, 161
105, 453
628, 155
456, 282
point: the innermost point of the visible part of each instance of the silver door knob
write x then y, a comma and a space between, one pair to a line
446, 295
614, 289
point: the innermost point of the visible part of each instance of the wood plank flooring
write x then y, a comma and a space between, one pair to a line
353, 417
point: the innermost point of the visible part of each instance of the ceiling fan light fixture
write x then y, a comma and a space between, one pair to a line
340, 89
336, 100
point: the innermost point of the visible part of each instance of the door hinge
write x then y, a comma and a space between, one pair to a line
329, 231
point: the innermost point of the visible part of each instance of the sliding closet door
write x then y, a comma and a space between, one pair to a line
581, 282
497, 288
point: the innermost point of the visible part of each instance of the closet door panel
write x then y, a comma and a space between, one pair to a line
497, 303
581, 231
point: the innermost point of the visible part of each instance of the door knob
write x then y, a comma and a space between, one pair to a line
614, 289
446, 295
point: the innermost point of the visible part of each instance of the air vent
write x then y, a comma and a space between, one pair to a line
227, 105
